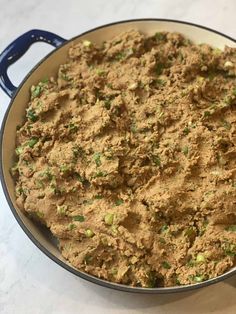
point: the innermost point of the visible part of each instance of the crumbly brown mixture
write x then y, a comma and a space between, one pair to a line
129, 157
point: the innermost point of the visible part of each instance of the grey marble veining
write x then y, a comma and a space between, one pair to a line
30, 283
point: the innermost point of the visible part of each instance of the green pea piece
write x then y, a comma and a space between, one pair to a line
109, 219
89, 233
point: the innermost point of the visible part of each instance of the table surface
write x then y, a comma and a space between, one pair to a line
29, 281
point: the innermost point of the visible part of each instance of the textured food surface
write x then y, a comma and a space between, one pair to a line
129, 157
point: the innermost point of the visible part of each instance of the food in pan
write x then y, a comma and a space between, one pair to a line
128, 156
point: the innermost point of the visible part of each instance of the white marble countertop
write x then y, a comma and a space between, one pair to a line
30, 283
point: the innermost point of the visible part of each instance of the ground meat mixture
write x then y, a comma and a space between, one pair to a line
128, 156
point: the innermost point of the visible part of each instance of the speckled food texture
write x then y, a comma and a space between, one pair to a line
128, 157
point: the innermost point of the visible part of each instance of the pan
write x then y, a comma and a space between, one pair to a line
48, 66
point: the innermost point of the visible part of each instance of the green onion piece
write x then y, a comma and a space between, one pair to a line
71, 226
79, 218
98, 197
61, 210
109, 219
198, 278
200, 258
159, 68
231, 228
87, 43
89, 233
79, 177
164, 228
185, 150
226, 124
87, 259
156, 160
206, 114
19, 150
32, 142
35, 91
186, 130
45, 80
40, 214
107, 104
31, 115
99, 174
166, 265
160, 36
119, 202
96, 158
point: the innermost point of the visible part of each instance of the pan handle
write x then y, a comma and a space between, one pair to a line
18, 48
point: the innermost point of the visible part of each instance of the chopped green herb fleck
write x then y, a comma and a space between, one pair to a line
166, 265
79, 218
109, 219
89, 233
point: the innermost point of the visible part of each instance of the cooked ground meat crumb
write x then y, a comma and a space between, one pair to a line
128, 156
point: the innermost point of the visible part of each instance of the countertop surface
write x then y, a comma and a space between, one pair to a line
30, 283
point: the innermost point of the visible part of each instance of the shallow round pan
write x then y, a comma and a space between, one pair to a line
48, 67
